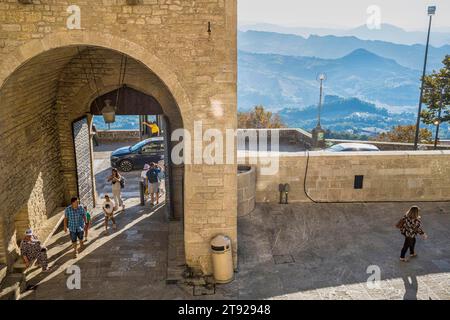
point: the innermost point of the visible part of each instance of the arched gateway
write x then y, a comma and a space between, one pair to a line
44, 88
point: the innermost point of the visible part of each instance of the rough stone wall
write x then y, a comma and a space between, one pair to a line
3, 244
388, 176
170, 37
29, 159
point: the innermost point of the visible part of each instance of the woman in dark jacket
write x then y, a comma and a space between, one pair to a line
411, 226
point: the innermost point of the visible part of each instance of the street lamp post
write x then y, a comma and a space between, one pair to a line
318, 134
431, 12
321, 78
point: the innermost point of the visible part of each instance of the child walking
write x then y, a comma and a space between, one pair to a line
88, 224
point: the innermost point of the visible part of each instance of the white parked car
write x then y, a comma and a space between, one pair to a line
352, 147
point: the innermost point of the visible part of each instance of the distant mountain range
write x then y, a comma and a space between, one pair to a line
372, 85
349, 115
333, 47
280, 81
387, 32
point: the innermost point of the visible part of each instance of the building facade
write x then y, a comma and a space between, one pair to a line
56, 57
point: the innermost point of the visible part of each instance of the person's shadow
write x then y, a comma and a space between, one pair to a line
411, 287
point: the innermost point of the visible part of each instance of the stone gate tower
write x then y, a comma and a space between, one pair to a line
181, 52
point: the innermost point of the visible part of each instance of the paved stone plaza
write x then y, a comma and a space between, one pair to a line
328, 248
301, 251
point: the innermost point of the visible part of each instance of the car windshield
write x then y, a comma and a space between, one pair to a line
336, 148
138, 145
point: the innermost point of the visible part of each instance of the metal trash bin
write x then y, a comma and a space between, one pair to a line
222, 259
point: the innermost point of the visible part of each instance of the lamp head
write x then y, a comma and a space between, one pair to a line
321, 77
431, 10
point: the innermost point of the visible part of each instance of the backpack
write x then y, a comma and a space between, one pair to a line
400, 223
122, 182
152, 175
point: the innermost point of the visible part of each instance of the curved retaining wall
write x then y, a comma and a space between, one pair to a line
246, 190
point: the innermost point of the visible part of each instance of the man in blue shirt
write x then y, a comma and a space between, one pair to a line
74, 220
153, 180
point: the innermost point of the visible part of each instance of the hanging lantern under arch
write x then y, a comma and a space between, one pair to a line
109, 112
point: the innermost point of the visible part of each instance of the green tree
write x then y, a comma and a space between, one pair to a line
405, 134
259, 118
436, 95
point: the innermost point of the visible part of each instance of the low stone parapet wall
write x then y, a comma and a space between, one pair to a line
105, 136
391, 146
291, 136
330, 177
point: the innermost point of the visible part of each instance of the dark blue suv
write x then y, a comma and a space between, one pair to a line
135, 157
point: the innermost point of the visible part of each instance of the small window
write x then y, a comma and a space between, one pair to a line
359, 182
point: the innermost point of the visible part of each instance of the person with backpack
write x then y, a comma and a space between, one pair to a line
118, 183
410, 226
153, 180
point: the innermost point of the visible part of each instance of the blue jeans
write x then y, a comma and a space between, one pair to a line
76, 234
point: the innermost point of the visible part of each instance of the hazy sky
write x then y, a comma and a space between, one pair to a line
407, 14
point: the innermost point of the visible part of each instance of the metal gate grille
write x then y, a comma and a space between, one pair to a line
82, 145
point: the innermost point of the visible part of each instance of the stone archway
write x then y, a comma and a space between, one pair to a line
79, 38
75, 98
194, 88
62, 100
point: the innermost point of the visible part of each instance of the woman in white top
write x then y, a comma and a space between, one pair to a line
144, 178
115, 179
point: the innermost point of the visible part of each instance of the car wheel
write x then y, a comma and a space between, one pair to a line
126, 166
